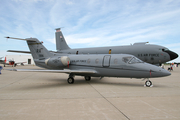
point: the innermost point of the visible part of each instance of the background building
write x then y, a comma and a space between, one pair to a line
21, 58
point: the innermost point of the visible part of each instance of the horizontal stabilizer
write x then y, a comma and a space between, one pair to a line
54, 71
28, 52
17, 51
20, 39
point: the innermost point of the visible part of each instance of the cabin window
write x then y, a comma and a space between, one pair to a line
77, 52
88, 61
97, 61
115, 61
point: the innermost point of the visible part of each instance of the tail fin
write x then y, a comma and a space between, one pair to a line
5, 60
38, 51
60, 41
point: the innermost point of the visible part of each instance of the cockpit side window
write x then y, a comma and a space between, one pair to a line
135, 60
164, 49
126, 59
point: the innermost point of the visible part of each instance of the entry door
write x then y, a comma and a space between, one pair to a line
106, 61
29, 61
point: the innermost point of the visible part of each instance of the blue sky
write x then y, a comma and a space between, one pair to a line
90, 23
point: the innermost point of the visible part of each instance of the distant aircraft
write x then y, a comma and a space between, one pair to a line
93, 65
11, 62
149, 53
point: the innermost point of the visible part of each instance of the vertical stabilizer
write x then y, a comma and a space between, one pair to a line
5, 60
60, 41
38, 51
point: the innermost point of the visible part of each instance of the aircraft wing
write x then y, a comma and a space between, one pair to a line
4, 63
83, 71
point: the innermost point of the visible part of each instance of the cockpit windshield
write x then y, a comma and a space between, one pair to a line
164, 49
135, 60
131, 60
126, 59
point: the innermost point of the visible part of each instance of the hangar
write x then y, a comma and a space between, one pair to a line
21, 58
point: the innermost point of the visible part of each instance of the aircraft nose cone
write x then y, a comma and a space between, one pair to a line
172, 55
160, 72
165, 72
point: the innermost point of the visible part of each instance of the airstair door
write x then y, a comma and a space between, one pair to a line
106, 61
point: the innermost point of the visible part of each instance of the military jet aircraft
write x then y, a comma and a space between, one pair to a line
10, 62
149, 53
92, 65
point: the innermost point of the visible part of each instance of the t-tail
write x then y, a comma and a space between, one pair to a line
38, 51
60, 41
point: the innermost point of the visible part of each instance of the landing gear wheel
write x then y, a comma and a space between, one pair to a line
148, 83
87, 78
70, 80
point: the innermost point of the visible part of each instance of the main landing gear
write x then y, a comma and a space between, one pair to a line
70, 80
148, 83
87, 78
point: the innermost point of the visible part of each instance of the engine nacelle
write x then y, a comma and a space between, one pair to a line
58, 62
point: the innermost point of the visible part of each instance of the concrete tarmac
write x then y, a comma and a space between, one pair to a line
48, 96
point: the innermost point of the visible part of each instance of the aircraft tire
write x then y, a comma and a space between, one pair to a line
70, 80
87, 78
148, 83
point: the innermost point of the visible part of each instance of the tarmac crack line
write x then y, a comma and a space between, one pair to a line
157, 109
110, 102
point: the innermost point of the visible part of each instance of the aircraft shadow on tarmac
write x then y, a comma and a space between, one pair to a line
55, 83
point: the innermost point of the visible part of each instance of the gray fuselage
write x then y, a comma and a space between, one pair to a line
105, 65
153, 54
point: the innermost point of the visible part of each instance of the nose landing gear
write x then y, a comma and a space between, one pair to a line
148, 83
